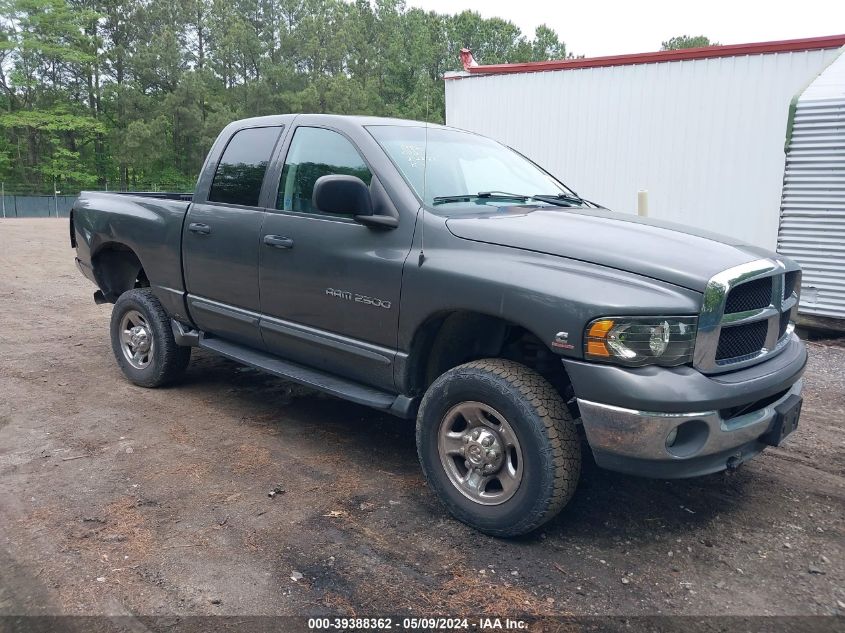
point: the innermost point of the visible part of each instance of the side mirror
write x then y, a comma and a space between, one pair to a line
344, 195
348, 195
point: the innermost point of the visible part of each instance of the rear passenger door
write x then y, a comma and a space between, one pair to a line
221, 237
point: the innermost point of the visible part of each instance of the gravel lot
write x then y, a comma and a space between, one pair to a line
116, 499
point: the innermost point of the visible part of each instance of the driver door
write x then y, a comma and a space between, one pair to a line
330, 286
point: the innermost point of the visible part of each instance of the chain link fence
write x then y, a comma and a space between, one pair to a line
15, 206
21, 202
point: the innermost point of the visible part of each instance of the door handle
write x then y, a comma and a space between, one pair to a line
278, 241
201, 229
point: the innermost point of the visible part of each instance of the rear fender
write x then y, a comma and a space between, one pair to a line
117, 269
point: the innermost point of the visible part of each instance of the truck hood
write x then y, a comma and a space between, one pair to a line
669, 252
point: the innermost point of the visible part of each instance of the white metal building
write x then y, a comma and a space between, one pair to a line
812, 228
702, 130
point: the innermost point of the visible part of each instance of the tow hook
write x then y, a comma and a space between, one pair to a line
734, 461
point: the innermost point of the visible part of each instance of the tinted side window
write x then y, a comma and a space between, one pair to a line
316, 152
241, 168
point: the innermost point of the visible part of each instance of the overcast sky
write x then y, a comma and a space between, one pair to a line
610, 27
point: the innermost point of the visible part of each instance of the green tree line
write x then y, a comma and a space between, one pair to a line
130, 94
686, 41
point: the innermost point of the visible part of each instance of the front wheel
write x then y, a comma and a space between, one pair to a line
142, 340
499, 446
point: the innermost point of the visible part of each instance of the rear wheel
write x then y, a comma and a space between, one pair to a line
142, 340
498, 445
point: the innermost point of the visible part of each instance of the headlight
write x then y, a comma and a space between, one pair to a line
637, 341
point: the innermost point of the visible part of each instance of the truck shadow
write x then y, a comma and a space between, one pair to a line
608, 504
605, 505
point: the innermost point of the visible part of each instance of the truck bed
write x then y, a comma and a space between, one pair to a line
148, 224
161, 195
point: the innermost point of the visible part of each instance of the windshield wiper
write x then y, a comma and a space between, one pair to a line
502, 195
487, 195
560, 198
457, 198
552, 198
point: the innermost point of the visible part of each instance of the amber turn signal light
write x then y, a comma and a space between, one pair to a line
597, 348
599, 329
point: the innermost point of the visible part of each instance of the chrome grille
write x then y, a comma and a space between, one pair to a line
752, 295
746, 315
742, 340
791, 283
784, 323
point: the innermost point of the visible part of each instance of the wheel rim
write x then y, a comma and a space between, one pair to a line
136, 339
480, 453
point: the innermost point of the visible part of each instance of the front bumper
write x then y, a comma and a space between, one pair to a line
720, 419
635, 441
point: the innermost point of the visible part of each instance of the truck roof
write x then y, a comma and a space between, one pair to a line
287, 119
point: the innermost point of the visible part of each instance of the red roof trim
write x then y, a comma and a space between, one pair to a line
782, 46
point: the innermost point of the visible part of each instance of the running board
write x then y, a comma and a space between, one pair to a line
401, 406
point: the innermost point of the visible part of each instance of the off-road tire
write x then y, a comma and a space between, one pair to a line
550, 446
168, 360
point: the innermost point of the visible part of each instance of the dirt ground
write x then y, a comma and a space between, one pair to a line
120, 500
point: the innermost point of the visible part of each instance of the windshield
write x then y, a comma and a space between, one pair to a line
461, 165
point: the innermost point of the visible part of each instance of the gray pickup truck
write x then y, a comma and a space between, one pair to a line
438, 275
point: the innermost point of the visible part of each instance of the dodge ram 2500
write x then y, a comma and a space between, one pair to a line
439, 275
